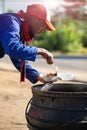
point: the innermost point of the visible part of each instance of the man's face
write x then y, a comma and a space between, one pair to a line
36, 26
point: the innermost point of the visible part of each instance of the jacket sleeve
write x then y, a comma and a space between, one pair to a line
31, 74
13, 46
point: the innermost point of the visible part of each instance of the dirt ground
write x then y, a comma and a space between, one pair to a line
14, 98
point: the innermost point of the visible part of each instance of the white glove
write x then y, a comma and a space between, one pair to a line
49, 79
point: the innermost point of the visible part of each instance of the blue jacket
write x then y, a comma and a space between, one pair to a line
10, 25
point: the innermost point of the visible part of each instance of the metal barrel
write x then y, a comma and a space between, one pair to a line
63, 106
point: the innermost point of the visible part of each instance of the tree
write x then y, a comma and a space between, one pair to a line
75, 9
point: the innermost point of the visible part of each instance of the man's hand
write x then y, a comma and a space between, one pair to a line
46, 55
42, 78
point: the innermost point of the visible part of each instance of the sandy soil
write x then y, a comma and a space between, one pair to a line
14, 98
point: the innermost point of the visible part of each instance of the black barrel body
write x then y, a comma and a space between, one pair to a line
62, 106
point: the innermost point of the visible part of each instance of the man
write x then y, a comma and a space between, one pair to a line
18, 29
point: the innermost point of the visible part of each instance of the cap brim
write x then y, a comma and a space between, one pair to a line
49, 26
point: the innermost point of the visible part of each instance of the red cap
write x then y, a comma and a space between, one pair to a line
39, 11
